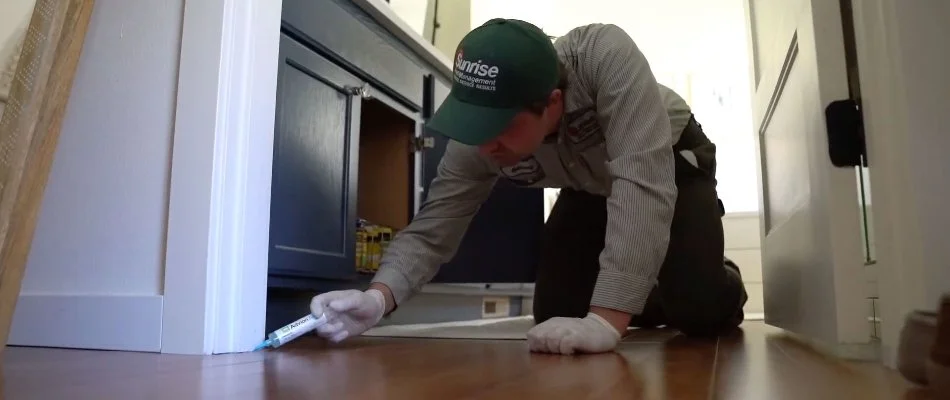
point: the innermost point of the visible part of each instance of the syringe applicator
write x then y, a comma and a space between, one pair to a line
292, 331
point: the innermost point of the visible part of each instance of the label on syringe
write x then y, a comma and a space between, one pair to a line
299, 327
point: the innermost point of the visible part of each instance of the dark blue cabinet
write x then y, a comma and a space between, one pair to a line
314, 189
349, 144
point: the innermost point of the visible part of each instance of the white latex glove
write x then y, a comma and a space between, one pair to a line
349, 312
591, 334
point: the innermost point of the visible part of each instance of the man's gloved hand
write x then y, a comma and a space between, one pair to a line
591, 334
349, 312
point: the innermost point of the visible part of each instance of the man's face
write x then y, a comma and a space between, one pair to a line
524, 134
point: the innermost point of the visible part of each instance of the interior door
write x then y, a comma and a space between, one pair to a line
812, 255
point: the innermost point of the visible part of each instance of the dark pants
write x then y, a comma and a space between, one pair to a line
699, 292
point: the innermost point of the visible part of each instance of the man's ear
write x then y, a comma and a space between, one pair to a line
556, 97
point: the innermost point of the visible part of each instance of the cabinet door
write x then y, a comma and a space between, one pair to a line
313, 195
502, 242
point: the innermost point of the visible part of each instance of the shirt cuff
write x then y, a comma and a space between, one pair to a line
621, 291
397, 283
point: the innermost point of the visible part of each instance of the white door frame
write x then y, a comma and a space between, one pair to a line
219, 207
216, 259
215, 287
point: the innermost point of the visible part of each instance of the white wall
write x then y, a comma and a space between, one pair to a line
448, 35
101, 228
741, 232
454, 18
104, 209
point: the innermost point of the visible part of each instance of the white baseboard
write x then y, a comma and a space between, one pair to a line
754, 317
121, 322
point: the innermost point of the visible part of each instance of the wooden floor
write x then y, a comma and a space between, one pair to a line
759, 364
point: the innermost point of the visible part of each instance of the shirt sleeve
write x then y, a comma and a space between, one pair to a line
463, 182
640, 162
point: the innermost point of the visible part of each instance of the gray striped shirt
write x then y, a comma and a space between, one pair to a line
615, 140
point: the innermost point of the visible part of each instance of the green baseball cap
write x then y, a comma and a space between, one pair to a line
500, 68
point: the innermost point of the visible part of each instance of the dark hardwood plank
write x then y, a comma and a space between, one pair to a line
766, 360
760, 363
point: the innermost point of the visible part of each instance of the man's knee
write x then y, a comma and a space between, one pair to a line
539, 319
708, 325
707, 321
709, 313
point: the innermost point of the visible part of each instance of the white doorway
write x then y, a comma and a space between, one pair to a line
702, 54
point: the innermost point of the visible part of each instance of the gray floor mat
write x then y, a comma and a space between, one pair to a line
512, 328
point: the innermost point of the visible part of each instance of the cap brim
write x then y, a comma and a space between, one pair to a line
469, 123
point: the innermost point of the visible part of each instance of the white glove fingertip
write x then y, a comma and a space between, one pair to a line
330, 327
319, 302
552, 343
568, 344
541, 345
316, 306
339, 337
342, 305
534, 343
536, 337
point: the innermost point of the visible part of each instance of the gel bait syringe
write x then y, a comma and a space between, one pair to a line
292, 331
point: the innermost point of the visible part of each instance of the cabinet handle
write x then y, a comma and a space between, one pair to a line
361, 91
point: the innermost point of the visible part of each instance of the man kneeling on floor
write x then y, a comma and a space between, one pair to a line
635, 237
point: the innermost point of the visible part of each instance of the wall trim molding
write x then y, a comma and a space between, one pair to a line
742, 215
100, 322
219, 206
241, 207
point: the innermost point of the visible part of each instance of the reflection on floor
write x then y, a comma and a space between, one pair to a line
760, 363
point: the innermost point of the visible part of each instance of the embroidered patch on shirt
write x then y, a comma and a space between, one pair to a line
525, 172
583, 129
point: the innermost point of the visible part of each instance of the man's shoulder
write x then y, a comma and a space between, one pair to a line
672, 99
590, 29
583, 48
466, 160
585, 35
